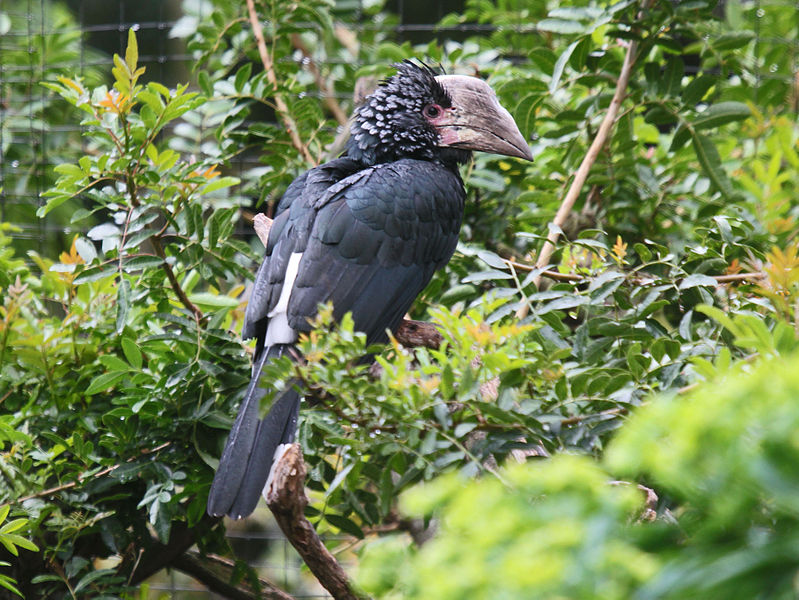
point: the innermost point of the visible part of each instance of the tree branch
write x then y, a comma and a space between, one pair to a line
413, 334
216, 573
156, 556
588, 161
286, 498
280, 103
84, 476
173, 280
732, 278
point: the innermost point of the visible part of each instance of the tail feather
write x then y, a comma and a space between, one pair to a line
251, 443
278, 427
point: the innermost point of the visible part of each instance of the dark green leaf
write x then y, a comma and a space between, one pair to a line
711, 163
344, 524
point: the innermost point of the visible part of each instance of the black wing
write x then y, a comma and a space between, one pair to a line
376, 241
290, 230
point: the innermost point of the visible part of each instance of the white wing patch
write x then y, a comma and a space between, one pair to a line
279, 331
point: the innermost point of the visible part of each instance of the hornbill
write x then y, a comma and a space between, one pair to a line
365, 231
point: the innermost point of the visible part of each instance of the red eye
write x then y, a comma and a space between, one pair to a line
432, 111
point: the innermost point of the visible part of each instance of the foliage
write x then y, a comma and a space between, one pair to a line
723, 455
121, 365
34, 126
12, 542
113, 358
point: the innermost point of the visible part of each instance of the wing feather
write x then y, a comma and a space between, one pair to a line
370, 251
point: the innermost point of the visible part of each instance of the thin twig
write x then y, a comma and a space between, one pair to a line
605, 413
173, 281
720, 279
739, 277
545, 272
280, 103
588, 161
83, 477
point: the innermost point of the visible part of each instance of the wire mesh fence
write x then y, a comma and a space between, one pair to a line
41, 40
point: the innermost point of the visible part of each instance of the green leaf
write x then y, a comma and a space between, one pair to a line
525, 113
209, 300
710, 160
92, 576
578, 58
70, 170
720, 114
560, 64
219, 183
93, 274
695, 91
137, 263
340, 476
344, 524
104, 381
5, 23
492, 260
13, 525
56, 200
132, 352
732, 40
123, 304
5, 581
562, 26
132, 51
672, 76
721, 318
205, 83
242, 76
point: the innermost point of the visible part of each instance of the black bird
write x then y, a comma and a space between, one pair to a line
366, 232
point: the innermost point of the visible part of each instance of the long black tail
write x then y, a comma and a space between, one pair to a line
251, 445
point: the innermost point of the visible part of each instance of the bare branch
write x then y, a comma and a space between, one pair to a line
84, 476
156, 556
216, 572
413, 334
262, 224
269, 69
286, 498
732, 278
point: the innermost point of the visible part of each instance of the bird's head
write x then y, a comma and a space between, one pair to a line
418, 114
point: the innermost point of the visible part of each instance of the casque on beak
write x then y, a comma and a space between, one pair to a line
477, 121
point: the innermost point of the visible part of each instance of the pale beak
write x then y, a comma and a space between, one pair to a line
477, 121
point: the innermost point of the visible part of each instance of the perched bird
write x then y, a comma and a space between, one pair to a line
366, 232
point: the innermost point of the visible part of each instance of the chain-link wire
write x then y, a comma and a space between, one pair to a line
40, 40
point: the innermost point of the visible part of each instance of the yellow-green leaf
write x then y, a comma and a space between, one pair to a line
132, 51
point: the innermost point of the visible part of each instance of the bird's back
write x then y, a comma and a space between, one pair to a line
366, 239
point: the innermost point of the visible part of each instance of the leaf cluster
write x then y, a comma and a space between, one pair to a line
566, 527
